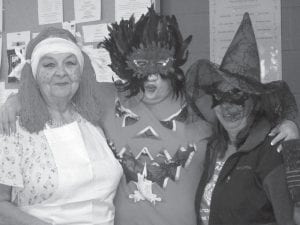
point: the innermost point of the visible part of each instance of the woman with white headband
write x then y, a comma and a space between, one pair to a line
57, 168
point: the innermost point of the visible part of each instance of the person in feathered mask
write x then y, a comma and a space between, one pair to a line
158, 147
151, 46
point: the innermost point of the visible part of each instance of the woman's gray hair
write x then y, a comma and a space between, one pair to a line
34, 113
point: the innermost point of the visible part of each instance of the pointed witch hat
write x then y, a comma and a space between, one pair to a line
240, 66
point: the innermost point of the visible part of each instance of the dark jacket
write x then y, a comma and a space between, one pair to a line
251, 188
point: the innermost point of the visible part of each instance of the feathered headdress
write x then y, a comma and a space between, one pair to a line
150, 31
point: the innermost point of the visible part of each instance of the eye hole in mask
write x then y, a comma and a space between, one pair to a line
163, 62
140, 62
234, 96
144, 62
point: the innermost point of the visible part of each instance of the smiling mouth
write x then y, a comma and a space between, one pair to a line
150, 88
62, 83
229, 116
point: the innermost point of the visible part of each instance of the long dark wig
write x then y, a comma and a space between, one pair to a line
163, 31
34, 113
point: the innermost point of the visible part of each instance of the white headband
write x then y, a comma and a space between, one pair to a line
54, 45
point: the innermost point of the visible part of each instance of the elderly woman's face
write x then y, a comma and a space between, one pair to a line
234, 108
58, 76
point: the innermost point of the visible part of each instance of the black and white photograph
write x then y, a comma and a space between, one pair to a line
150, 112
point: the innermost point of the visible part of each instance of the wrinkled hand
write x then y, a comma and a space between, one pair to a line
284, 131
8, 115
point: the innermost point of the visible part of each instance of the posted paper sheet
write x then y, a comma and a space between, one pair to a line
225, 17
87, 10
50, 11
101, 60
95, 33
125, 8
1, 21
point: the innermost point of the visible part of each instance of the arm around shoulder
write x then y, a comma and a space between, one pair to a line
282, 102
8, 114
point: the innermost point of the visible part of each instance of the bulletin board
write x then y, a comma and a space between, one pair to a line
22, 15
225, 17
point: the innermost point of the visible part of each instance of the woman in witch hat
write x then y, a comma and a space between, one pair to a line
243, 181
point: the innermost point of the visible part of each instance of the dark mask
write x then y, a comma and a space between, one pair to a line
234, 96
151, 60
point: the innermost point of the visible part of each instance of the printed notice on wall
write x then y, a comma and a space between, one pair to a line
95, 32
16, 48
125, 8
87, 10
100, 60
225, 17
50, 11
1, 8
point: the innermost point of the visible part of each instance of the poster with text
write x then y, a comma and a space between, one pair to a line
50, 11
125, 8
1, 7
225, 17
87, 10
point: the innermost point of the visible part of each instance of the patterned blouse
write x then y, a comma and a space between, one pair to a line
27, 164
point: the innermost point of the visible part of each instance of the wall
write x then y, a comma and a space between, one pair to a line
20, 15
193, 18
290, 12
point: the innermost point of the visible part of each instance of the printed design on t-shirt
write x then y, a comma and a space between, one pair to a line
145, 169
144, 189
180, 116
129, 118
145, 152
147, 132
208, 191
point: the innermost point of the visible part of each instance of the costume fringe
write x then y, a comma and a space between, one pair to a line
151, 29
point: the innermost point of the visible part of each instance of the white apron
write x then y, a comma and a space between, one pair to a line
88, 176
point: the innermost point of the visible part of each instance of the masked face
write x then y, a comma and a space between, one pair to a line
153, 65
232, 106
151, 60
